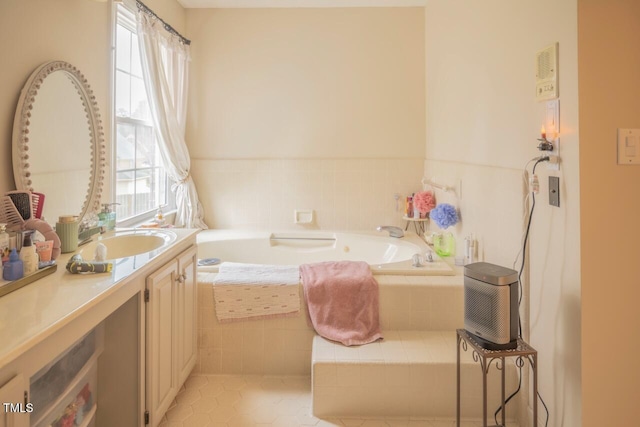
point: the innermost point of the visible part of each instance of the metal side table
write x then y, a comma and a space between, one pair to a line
485, 358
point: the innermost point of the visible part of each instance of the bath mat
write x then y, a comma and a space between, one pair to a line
256, 291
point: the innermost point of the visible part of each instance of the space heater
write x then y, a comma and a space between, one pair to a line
491, 305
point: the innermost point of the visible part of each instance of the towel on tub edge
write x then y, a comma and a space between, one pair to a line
343, 301
256, 291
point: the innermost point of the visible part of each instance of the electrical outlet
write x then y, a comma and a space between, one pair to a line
554, 157
554, 191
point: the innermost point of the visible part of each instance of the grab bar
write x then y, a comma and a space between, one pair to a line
328, 239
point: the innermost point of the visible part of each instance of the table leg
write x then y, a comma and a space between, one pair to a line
484, 394
458, 383
504, 405
535, 390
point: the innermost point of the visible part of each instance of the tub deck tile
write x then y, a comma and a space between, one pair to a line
407, 373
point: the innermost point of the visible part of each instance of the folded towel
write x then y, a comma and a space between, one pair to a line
256, 291
343, 301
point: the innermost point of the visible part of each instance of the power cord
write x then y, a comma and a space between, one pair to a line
523, 251
526, 238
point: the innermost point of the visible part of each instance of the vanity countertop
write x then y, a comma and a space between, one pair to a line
32, 313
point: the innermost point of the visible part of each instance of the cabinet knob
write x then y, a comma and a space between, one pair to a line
182, 278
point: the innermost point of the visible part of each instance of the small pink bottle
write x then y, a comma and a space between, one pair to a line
409, 209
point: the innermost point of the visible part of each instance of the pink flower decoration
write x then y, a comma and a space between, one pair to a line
424, 201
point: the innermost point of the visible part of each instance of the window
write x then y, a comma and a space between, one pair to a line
141, 184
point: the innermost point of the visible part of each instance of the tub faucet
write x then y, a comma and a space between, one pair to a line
393, 231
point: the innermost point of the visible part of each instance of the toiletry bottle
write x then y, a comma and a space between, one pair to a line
413, 207
13, 269
107, 216
5, 245
159, 217
28, 255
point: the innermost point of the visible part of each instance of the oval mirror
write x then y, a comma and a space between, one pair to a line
58, 141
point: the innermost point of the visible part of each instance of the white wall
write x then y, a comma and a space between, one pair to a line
482, 124
318, 109
306, 83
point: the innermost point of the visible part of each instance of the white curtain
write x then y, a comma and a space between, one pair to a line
165, 67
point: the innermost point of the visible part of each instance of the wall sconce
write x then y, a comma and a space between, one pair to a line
546, 139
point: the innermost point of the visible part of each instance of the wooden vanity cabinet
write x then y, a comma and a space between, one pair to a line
171, 331
12, 391
145, 346
187, 314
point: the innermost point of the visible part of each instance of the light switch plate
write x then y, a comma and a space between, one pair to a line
629, 146
552, 126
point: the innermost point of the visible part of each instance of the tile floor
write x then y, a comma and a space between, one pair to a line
264, 401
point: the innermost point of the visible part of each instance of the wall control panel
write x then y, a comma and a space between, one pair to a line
547, 73
629, 146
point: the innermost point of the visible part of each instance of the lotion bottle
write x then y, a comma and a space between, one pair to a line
159, 219
13, 269
28, 256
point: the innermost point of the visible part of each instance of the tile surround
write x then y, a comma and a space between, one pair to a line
343, 189
346, 194
490, 200
409, 372
283, 346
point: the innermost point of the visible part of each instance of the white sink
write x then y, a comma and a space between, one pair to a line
128, 243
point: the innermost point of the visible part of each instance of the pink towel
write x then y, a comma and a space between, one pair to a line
342, 297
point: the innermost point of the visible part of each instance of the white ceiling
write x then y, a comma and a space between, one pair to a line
298, 3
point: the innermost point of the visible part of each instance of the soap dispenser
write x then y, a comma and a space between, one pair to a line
28, 255
108, 216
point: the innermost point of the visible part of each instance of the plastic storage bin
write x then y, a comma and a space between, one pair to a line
65, 382
78, 405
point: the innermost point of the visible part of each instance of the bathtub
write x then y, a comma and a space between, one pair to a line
411, 298
385, 255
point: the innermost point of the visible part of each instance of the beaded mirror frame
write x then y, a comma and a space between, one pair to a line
22, 145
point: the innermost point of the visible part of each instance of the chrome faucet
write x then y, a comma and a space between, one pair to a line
86, 229
393, 231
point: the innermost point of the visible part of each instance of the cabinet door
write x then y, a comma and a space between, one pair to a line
12, 393
161, 383
187, 314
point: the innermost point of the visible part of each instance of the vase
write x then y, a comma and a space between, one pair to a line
444, 243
